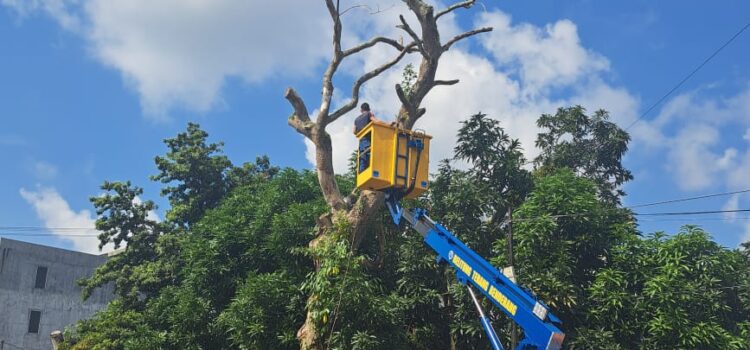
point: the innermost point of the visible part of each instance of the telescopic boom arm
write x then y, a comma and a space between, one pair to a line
539, 325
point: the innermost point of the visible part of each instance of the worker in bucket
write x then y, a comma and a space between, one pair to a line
364, 118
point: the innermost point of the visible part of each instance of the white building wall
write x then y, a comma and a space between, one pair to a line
60, 301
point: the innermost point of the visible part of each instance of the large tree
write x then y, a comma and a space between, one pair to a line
426, 43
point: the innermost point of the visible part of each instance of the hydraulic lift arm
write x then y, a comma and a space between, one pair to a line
540, 331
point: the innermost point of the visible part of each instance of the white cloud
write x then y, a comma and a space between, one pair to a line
178, 54
738, 176
56, 214
44, 171
697, 133
543, 57
733, 203
701, 136
691, 157
746, 236
60, 10
727, 160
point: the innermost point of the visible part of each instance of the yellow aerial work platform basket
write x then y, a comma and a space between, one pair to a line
391, 158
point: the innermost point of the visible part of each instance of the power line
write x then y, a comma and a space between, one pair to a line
694, 212
36, 228
29, 231
682, 213
744, 218
716, 52
687, 199
46, 234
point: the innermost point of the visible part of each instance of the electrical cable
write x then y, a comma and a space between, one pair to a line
3, 234
31, 231
716, 52
687, 199
685, 213
694, 212
682, 213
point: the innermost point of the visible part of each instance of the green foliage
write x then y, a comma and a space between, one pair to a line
122, 217
115, 328
496, 165
591, 145
199, 170
408, 78
350, 305
198, 175
563, 235
474, 204
265, 312
682, 291
224, 262
236, 264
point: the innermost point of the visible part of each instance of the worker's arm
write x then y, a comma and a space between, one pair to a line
373, 118
376, 120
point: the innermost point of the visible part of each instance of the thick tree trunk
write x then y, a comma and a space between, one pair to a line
358, 217
324, 169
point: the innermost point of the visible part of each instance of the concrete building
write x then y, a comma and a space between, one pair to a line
39, 294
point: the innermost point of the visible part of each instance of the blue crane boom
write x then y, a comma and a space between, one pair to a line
540, 331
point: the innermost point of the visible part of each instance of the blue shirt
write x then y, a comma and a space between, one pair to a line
362, 121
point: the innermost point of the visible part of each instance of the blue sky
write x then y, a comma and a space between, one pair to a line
88, 89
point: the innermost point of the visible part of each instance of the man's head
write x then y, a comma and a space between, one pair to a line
365, 107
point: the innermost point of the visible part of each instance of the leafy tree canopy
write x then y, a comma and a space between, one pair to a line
592, 145
231, 267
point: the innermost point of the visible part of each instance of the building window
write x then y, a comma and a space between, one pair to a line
34, 318
41, 277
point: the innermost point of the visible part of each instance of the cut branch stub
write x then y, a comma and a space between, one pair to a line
300, 119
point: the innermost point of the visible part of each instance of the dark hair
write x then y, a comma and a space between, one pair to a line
365, 107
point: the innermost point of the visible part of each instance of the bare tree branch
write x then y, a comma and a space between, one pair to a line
405, 26
446, 82
333, 11
464, 36
363, 79
465, 4
369, 9
327, 89
372, 42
